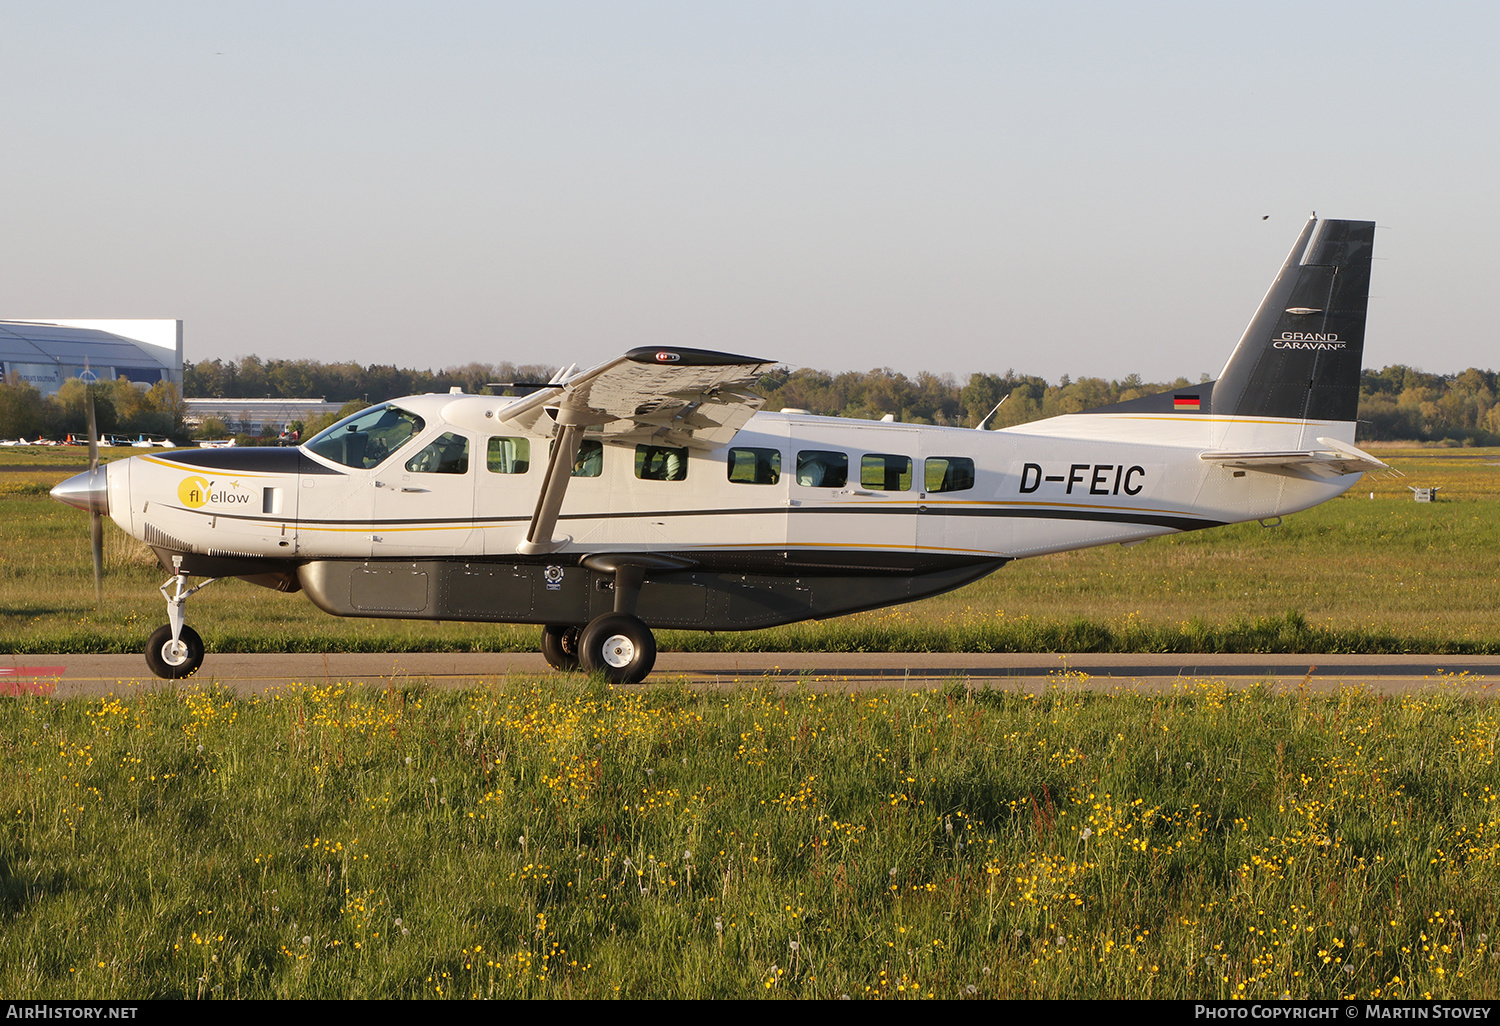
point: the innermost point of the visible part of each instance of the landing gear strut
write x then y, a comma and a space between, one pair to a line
618, 644
174, 649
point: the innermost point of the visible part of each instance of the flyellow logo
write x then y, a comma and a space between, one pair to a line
193, 492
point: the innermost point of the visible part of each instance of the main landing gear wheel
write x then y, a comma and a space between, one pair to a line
619, 646
173, 661
560, 647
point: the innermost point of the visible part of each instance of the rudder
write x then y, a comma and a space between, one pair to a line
1300, 357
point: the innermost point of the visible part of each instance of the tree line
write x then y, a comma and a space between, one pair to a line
254, 378
1401, 402
120, 406
1397, 403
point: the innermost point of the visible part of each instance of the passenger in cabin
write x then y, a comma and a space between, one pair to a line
754, 466
820, 469
660, 463
590, 461
765, 473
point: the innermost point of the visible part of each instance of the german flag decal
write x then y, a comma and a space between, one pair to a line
1185, 404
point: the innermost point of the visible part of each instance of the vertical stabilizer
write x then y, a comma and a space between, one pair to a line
1300, 357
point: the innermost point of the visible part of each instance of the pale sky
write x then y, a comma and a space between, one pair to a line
1060, 188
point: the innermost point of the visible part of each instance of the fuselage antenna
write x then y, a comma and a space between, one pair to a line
987, 416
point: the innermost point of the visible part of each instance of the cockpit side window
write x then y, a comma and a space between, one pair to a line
446, 454
367, 438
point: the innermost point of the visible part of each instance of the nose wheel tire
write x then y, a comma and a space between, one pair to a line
560, 647
619, 646
173, 661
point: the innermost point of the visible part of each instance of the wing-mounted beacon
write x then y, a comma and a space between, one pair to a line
652, 492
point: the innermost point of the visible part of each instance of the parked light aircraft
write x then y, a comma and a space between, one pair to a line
648, 492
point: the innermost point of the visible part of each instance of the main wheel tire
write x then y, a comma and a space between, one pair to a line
619, 646
171, 662
560, 647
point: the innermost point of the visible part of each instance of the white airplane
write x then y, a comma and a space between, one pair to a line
649, 492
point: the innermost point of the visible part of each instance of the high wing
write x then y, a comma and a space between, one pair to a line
686, 398
1336, 460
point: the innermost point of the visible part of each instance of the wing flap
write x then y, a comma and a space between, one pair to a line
691, 398
685, 398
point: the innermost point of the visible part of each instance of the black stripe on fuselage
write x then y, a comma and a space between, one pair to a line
784, 562
1177, 522
263, 459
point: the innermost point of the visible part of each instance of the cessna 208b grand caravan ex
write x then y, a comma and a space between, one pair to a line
648, 492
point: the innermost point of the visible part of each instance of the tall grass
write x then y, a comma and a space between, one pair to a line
564, 839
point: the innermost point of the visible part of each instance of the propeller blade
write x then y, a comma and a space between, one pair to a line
88, 409
96, 543
96, 520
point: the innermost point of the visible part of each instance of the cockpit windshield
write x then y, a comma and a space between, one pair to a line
368, 437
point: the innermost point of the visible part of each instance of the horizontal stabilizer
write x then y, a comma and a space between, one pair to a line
1336, 460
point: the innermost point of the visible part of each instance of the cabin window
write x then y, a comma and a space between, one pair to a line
368, 437
590, 459
817, 468
949, 473
755, 466
446, 454
509, 456
885, 472
660, 463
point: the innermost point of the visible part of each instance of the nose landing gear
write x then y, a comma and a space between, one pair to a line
174, 658
174, 649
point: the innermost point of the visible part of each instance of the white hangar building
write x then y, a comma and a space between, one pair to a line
45, 352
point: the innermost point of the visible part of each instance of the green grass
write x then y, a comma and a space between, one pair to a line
563, 839
1353, 575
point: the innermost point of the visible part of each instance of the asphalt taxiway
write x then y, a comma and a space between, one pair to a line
93, 675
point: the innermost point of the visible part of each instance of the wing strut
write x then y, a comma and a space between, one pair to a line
554, 487
688, 398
